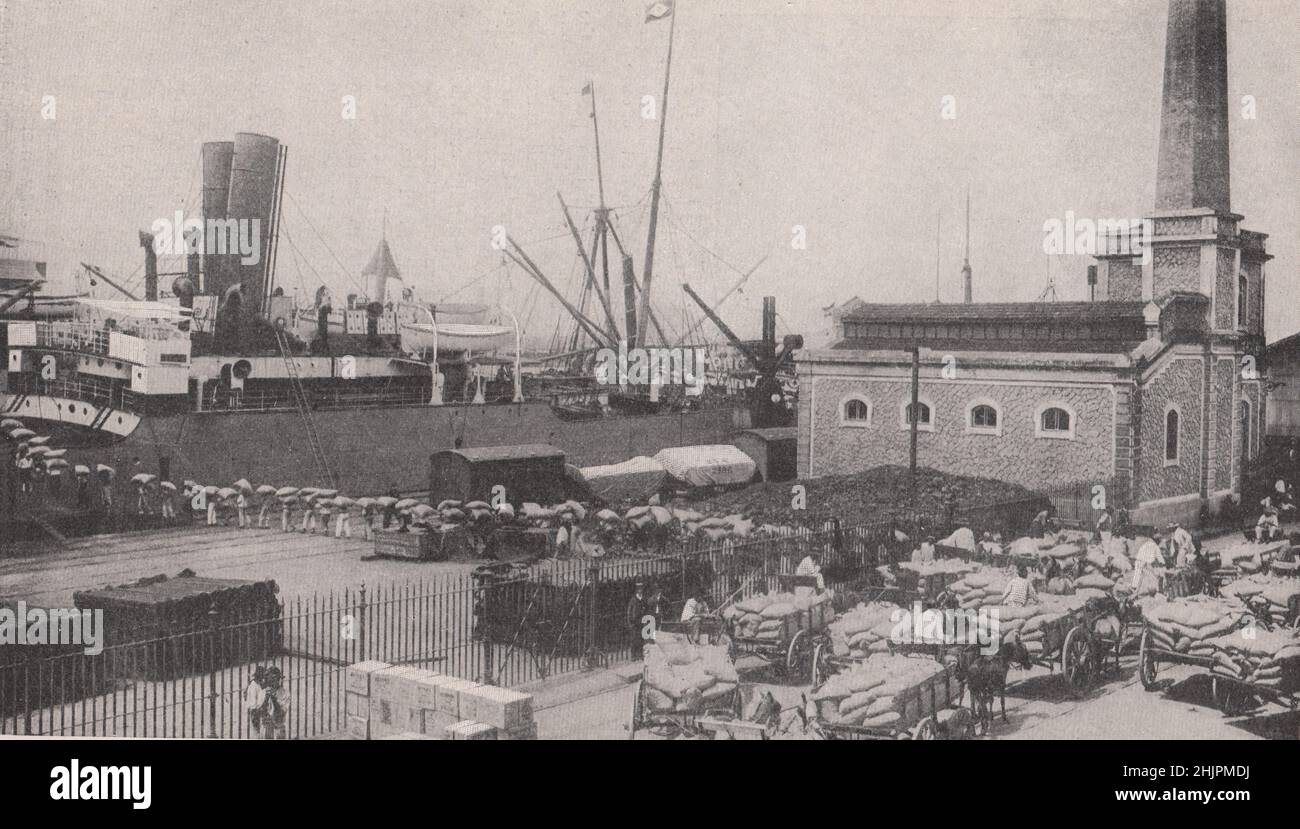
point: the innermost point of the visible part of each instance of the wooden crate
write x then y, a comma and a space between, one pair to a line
414, 545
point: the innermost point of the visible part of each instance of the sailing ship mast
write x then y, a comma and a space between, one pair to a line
656, 12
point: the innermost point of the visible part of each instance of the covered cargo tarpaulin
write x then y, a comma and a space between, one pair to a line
714, 465
634, 479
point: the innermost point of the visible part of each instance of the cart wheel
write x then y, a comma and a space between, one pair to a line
1232, 700
799, 657
961, 726
1148, 662
925, 730
821, 663
1076, 661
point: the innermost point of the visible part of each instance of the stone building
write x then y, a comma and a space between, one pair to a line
1146, 390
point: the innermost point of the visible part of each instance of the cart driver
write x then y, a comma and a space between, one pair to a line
693, 613
1019, 590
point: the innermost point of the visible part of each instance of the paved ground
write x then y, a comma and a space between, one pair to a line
598, 706
300, 564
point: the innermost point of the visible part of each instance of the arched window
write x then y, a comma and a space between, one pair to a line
855, 411
983, 417
1171, 436
924, 411
1243, 288
1054, 420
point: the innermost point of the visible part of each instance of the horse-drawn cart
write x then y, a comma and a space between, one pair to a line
794, 642
929, 710
1232, 695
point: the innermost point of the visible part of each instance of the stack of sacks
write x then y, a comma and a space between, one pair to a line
680, 676
873, 691
776, 616
1032, 623
1245, 556
1271, 658
980, 588
1111, 554
1280, 592
1178, 624
1093, 585
963, 539
864, 630
942, 565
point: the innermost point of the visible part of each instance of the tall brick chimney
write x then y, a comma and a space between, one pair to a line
1192, 171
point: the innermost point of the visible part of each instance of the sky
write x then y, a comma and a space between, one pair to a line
786, 121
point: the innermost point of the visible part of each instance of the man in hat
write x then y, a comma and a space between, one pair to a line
275, 708
638, 609
1267, 527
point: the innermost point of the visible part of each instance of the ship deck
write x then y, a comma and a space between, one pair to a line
300, 564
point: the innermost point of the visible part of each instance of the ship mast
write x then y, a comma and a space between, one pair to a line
602, 214
654, 190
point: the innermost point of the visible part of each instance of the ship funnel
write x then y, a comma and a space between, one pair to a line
216, 193
254, 170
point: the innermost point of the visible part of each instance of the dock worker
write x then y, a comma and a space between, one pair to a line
308, 514
241, 507
989, 546
1181, 544
167, 496
693, 612
810, 566
925, 553
638, 608
1105, 523
275, 708
286, 504
24, 473
1148, 556
1267, 527
264, 513
1019, 590
1038, 527
255, 701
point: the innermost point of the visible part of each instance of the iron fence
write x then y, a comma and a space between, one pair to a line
505, 625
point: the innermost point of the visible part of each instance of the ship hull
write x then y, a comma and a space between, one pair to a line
370, 450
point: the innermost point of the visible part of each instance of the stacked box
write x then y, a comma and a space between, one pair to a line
523, 732
452, 698
358, 677
426, 689
434, 724
500, 707
392, 702
470, 730
359, 728
357, 684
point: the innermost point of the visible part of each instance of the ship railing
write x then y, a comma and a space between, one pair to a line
86, 391
72, 336
266, 401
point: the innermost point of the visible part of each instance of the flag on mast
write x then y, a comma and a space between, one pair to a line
658, 11
586, 90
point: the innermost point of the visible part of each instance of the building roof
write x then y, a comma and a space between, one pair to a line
505, 453
994, 311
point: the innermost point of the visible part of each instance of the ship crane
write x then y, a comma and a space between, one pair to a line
768, 400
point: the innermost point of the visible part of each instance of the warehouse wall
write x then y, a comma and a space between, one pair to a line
1018, 454
1179, 383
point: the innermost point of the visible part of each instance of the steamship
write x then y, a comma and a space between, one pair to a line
225, 376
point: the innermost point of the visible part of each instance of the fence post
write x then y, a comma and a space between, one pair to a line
361, 622
212, 670
590, 630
